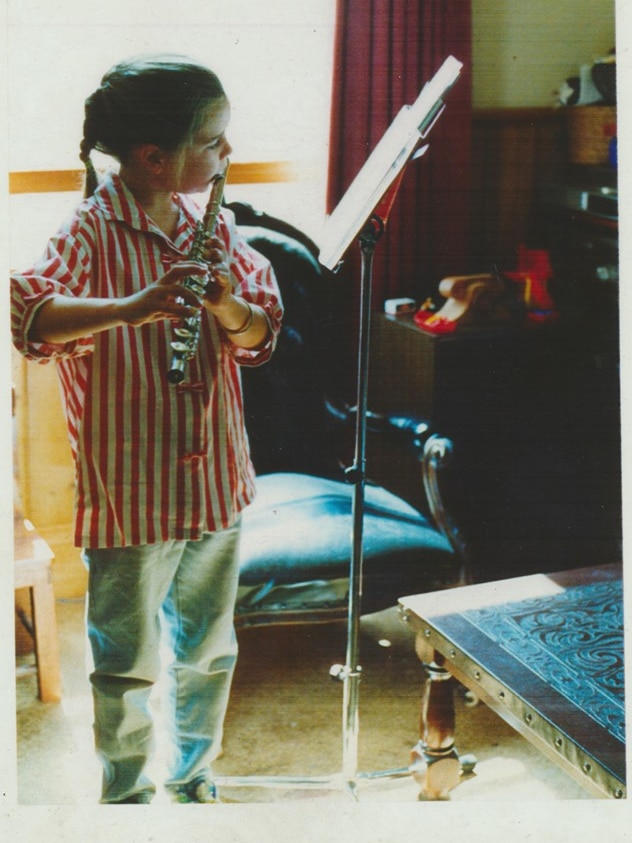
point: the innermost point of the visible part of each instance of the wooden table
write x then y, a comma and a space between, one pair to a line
32, 570
546, 653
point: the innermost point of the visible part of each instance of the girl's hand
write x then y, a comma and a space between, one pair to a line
219, 288
62, 319
166, 298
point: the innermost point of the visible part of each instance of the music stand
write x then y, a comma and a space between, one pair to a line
364, 211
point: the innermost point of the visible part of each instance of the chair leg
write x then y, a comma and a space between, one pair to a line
438, 768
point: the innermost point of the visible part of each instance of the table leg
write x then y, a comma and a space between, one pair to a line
438, 766
45, 635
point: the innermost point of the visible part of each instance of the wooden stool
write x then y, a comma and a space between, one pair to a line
32, 570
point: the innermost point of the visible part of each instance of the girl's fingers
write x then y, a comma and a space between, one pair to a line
183, 270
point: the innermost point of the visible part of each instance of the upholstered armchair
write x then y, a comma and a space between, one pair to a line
296, 544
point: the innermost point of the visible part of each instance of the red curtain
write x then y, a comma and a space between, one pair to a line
385, 50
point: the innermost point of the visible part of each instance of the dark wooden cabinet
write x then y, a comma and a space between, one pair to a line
534, 417
462, 381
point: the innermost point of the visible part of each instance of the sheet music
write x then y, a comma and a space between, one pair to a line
384, 164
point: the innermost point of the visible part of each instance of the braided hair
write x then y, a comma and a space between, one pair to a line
157, 99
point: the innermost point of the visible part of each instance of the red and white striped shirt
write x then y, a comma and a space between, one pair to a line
153, 461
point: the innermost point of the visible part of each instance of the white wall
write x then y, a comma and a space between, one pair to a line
524, 49
274, 59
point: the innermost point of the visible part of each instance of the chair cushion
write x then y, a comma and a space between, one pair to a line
299, 530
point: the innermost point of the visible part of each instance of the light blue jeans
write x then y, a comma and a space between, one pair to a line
189, 587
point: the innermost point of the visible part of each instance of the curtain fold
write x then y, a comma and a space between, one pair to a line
385, 50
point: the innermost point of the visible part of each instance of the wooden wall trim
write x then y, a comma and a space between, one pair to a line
61, 181
517, 114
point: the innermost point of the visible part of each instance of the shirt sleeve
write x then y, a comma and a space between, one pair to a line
257, 284
62, 270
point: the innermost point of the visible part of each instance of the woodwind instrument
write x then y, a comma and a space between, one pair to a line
188, 330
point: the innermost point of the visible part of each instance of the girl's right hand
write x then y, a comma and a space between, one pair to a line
63, 319
166, 298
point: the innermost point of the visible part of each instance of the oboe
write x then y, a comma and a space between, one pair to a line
188, 330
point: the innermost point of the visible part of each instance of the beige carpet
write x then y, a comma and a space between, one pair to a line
285, 719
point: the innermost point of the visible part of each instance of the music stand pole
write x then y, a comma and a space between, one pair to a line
351, 673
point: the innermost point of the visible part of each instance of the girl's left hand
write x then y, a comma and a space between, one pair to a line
219, 288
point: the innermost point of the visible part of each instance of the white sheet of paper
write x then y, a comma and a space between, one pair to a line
384, 164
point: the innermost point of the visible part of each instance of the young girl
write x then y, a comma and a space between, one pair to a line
162, 471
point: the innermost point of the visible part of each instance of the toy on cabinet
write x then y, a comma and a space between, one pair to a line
493, 299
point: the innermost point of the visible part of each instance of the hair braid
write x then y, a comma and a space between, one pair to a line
92, 180
90, 140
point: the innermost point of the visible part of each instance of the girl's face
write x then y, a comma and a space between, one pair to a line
204, 156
